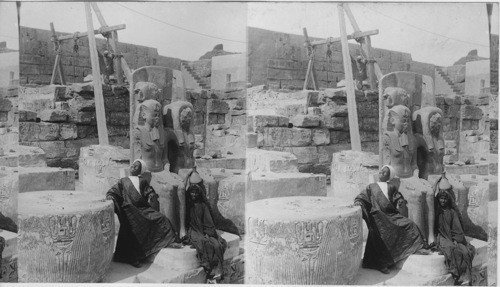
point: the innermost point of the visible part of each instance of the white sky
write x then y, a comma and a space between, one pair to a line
222, 20
464, 21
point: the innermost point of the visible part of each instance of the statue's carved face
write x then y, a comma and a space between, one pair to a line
435, 123
146, 91
401, 122
395, 96
185, 118
151, 116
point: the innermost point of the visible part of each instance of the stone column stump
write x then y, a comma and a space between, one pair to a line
64, 236
302, 240
99, 167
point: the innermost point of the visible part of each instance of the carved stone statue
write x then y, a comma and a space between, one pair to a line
428, 123
178, 120
399, 143
148, 135
411, 139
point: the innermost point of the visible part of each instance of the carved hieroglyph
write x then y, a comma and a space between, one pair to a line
302, 240
64, 236
99, 167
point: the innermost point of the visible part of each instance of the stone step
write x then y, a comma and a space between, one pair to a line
270, 185
259, 160
400, 278
30, 156
158, 274
185, 258
40, 98
46, 178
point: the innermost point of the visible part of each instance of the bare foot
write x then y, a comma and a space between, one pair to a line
385, 270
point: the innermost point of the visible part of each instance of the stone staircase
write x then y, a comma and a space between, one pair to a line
192, 80
447, 79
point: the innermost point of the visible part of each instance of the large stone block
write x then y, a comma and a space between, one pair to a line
29, 131
270, 185
217, 107
472, 202
46, 178
9, 257
492, 241
99, 167
305, 155
284, 137
231, 200
53, 115
350, 172
30, 156
259, 160
64, 236
305, 121
9, 186
321, 136
41, 98
302, 240
259, 121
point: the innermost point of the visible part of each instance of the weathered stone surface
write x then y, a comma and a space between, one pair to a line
64, 236
305, 121
41, 98
29, 131
227, 163
99, 167
426, 265
259, 121
270, 161
334, 123
481, 169
350, 172
305, 155
27, 116
231, 200
473, 205
9, 185
284, 137
321, 137
46, 178
270, 185
157, 274
68, 131
217, 107
472, 113
302, 240
53, 115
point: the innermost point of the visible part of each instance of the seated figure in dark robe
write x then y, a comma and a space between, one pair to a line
391, 236
201, 232
144, 231
451, 242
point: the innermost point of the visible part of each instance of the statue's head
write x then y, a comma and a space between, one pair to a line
400, 118
185, 118
146, 91
435, 124
150, 112
394, 96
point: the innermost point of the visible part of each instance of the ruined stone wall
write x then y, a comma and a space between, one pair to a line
280, 60
9, 117
62, 119
37, 57
475, 130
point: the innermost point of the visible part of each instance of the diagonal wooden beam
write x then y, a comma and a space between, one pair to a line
98, 31
310, 64
354, 35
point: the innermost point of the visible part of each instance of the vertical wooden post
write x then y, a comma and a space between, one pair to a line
366, 48
57, 64
351, 96
102, 130
114, 44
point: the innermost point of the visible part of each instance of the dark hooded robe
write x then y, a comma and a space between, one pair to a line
143, 229
201, 232
391, 236
458, 253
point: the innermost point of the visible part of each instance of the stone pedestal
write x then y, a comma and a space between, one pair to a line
270, 185
302, 240
64, 236
492, 242
420, 197
99, 167
350, 173
231, 200
473, 205
9, 186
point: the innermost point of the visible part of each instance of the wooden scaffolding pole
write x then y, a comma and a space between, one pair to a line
102, 130
57, 64
351, 96
309, 73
